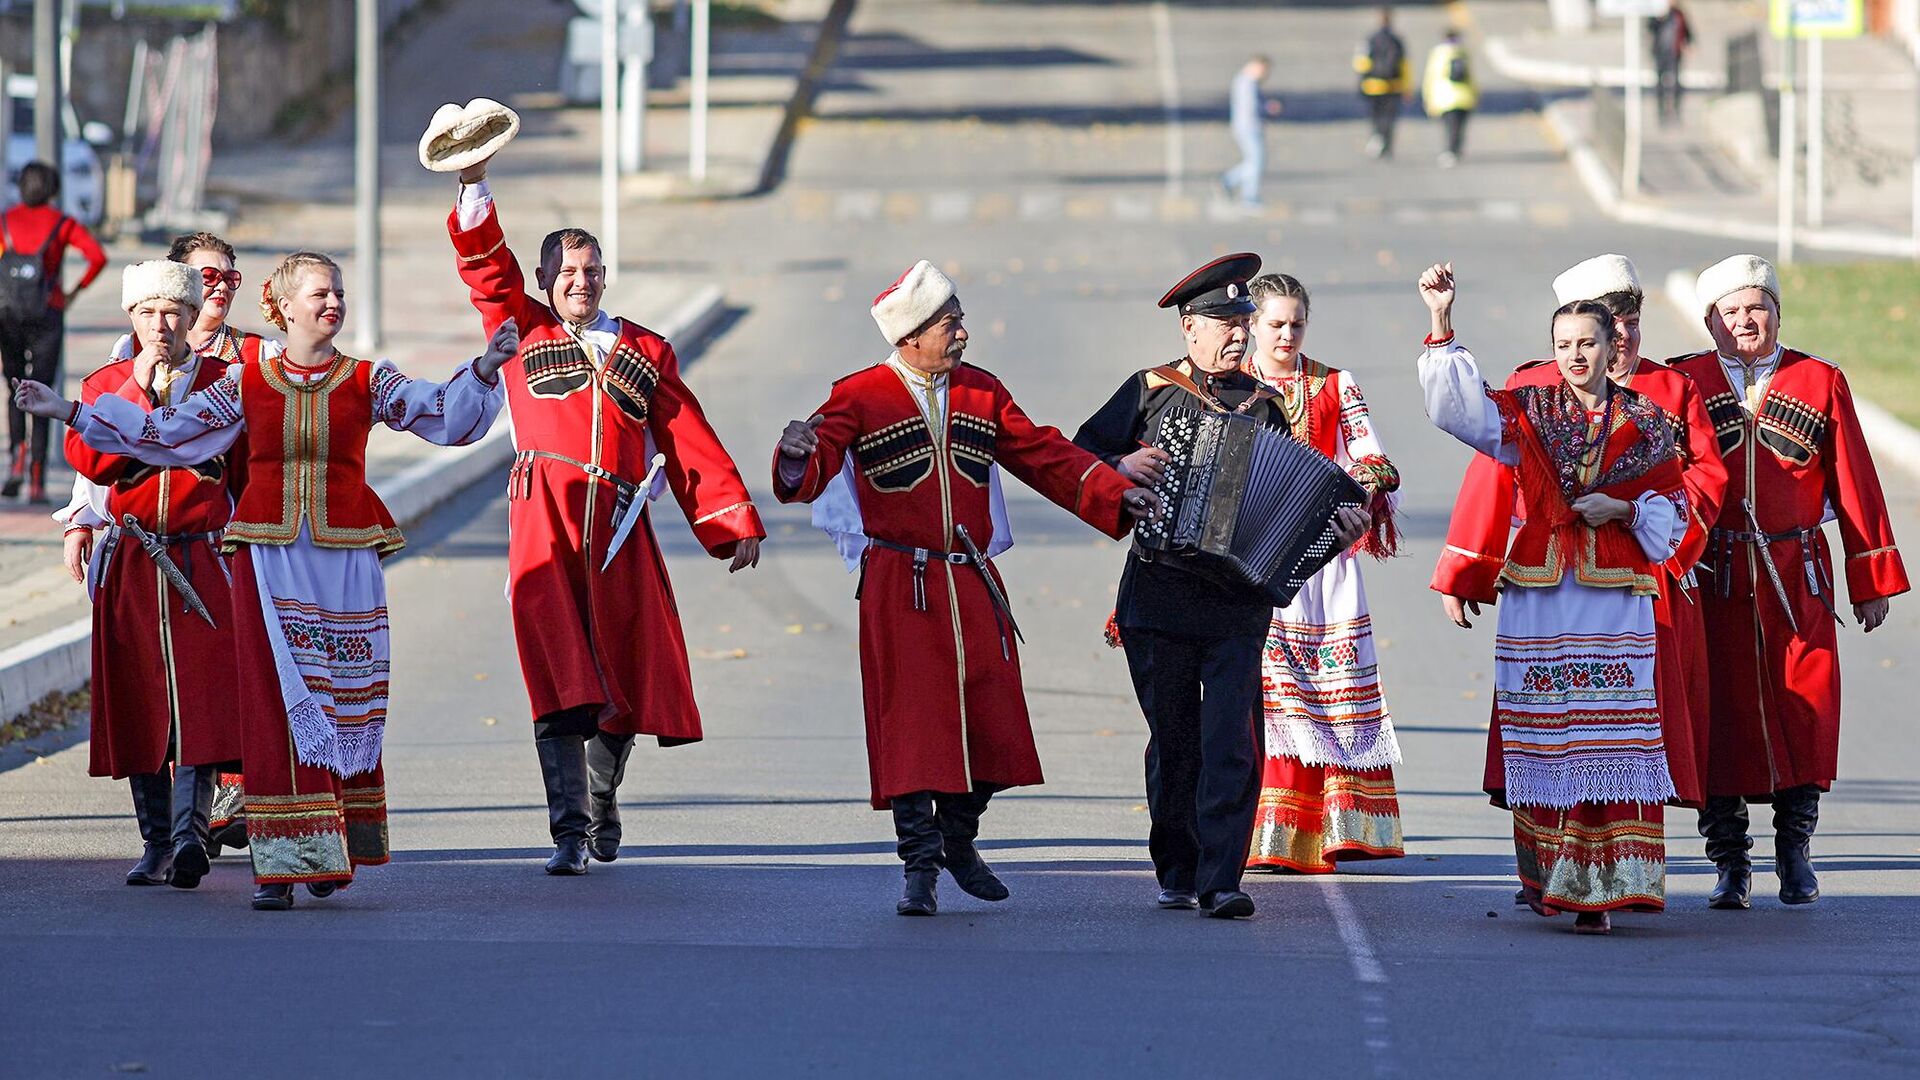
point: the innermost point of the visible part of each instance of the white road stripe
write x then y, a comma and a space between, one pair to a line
1368, 971
857, 206
947, 207
1041, 205
1169, 96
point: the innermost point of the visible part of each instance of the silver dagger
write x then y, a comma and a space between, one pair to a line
157, 551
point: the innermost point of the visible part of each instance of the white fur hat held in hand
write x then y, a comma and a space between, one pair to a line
1732, 274
911, 300
462, 135
1595, 278
161, 279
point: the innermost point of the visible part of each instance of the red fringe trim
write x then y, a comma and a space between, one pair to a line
1112, 630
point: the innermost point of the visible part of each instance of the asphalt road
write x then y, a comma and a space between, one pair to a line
749, 927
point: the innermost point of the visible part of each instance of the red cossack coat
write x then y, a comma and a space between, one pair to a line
1775, 691
159, 670
1474, 556
941, 674
608, 638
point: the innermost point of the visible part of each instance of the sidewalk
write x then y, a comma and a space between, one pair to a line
1713, 172
299, 197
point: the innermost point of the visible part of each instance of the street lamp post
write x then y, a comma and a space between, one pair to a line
610, 137
48, 91
366, 168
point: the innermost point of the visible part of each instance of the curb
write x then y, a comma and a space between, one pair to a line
61, 660
1894, 441
1597, 177
1514, 65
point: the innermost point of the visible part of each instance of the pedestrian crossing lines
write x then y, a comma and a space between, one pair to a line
959, 207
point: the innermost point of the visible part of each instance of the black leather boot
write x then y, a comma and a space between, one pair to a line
920, 846
16, 472
958, 817
153, 810
1723, 822
272, 897
563, 768
606, 768
192, 800
1795, 813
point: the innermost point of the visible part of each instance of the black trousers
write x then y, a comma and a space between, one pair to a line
30, 349
1667, 83
1455, 121
1384, 110
1200, 696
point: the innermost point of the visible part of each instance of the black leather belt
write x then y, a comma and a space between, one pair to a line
1002, 611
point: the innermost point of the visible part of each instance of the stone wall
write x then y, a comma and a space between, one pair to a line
264, 63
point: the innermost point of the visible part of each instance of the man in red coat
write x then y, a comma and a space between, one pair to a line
1488, 504
1793, 444
904, 457
161, 673
594, 399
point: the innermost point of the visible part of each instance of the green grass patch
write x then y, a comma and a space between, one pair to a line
1866, 318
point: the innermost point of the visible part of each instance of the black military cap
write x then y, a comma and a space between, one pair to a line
1217, 289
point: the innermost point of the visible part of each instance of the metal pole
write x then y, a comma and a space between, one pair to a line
1788, 141
49, 94
1630, 155
610, 137
1916, 154
633, 103
1816, 133
697, 134
366, 152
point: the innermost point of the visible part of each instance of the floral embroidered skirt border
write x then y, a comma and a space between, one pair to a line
1593, 857
1313, 816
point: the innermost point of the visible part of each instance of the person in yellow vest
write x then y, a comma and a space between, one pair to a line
1449, 93
1385, 80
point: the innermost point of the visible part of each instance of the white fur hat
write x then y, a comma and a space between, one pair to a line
1595, 278
461, 135
1732, 274
911, 300
160, 279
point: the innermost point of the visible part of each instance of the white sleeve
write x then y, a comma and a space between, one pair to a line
1457, 402
204, 425
1659, 523
87, 508
472, 203
452, 413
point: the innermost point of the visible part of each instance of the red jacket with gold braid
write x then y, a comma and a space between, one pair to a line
588, 636
1775, 675
135, 634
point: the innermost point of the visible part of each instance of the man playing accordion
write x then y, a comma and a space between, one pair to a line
1193, 645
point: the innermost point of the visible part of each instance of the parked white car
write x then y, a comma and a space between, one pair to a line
82, 181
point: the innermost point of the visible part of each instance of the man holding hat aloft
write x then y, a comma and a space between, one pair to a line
1194, 646
599, 414
902, 465
161, 668
1489, 503
1793, 446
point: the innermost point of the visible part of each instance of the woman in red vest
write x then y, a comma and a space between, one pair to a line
309, 597
1599, 471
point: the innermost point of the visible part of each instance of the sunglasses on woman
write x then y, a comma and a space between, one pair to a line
211, 277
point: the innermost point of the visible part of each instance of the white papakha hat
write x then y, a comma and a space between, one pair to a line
161, 279
1732, 274
462, 135
912, 299
1595, 278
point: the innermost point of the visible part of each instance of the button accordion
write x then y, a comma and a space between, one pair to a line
1245, 505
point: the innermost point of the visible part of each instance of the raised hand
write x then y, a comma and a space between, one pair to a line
502, 347
475, 172
799, 440
1437, 292
39, 399
1146, 466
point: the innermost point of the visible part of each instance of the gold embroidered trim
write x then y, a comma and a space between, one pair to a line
1477, 556
704, 518
497, 245
1875, 551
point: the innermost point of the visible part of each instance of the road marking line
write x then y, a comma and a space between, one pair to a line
857, 206
1169, 96
1040, 205
1368, 971
947, 207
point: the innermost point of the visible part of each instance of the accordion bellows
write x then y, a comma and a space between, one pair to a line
1246, 505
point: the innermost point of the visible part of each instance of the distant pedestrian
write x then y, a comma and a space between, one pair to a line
34, 237
1247, 110
1449, 93
1385, 81
1670, 36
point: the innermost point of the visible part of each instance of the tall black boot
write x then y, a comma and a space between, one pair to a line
920, 844
563, 768
192, 802
153, 810
1723, 822
606, 768
959, 819
1795, 813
